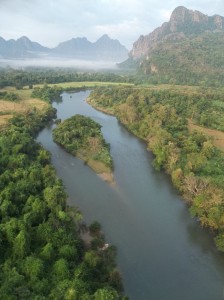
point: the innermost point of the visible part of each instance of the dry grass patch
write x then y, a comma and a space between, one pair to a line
21, 106
7, 106
84, 84
218, 136
25, 103
181, 89
33, 102
98, 166
4, 119
102, 171
23, 94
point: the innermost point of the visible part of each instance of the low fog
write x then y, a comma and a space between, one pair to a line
59, 63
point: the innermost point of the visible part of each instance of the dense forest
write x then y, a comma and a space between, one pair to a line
47, 93
160, 118
42, 254
81, 136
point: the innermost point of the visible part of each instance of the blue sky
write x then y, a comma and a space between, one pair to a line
52, 21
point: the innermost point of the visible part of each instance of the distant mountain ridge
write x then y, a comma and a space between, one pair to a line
186, 50
21, 48
104, 48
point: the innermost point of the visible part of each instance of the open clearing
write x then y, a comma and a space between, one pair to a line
8, 108
4, 119
218, 136
182, 89
85, 84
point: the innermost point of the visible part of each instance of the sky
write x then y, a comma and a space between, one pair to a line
50, 22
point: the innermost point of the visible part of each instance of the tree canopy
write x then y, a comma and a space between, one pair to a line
81, 136
42, 255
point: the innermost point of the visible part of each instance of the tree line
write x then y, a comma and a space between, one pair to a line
29, 77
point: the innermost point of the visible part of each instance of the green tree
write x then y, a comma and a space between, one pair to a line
61, 270
21, 244
33, 267
106, 294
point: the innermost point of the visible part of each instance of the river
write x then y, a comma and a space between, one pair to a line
163, 254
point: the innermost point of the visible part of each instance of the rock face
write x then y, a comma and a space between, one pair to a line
186, 50
104, 49
183, 22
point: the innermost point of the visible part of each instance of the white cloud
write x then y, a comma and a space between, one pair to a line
125, 30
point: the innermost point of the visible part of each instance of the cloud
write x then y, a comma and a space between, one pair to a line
52, 21
127, 30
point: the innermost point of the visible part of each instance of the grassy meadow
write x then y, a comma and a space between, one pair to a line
24, 104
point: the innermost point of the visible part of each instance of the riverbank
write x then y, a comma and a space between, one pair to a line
104, 172
106, 110
190, 158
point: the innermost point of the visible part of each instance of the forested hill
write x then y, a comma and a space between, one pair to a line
186, 50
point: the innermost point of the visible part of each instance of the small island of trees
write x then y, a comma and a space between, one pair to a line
81, 136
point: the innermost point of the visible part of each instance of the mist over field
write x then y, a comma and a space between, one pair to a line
60, 63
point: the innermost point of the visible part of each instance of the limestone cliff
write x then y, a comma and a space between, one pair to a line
183, 22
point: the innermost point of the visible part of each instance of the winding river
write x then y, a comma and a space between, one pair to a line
163, 254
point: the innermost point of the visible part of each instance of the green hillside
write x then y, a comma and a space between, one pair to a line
194, 60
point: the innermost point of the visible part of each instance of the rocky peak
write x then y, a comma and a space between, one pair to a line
24, 42
104, 45
183, 22
24, 39
105, 40
181, 15
219, 22
104, 37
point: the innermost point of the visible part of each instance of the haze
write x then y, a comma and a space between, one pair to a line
59, 63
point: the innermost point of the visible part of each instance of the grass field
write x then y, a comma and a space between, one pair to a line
181, 88
8, 108
4, 119
86, 84
217, 136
